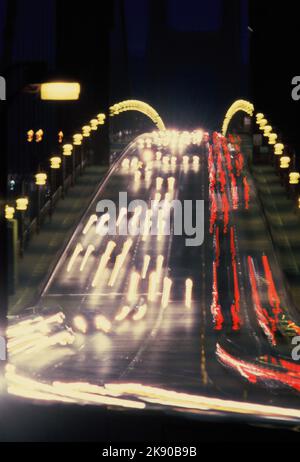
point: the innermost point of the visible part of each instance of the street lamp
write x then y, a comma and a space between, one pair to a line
101, 118
94, 124
272, 138
262, 123
294, 177
278, 149
9, 212
60, 91
86, 131
21, 207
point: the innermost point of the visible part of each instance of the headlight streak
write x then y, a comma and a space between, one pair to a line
88, 253
133, 287
146, 264
83, 393
76, 253
120, 260
188, 293
123, 313
103, 262
141, 313
167, 285
93, 219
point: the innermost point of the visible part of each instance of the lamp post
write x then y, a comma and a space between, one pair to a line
21, 207
77, 143
86, 133
40, 181
67, 152
55, 164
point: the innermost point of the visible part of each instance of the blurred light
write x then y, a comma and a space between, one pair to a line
9, 212
94, 124
140, 314
22, 204
278, 149
67, 150
102, 323
30, 136
39, 136
77, 251
166, 293
80, 324
133, 286
55, 163
77, 139
285, 162
294, 177
40, 179
86, 131
123, 314
60, 91
188, 293
101, 118
60, 137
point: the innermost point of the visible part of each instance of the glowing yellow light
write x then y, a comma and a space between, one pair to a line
88, 253
262, 124
285, 162
67, 150
137, 176
259, 117
80, 324
146, 264
152, 288
171, 183
60, 91
294, 177
40, 179
94, 124
102, 323
188, 293
77, 139
140, 314
239, 105
267, 130
30, 136
278, 149
140, 106
272, 138
103, 262
185, 160
77, 251
147, 155
101, 118
60, 136
158, 156
133, 286
167, 285
9, 212
86, 131
39, 136
125, 164
93, 219
22, 204
123, 314
159, 183
55, 163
